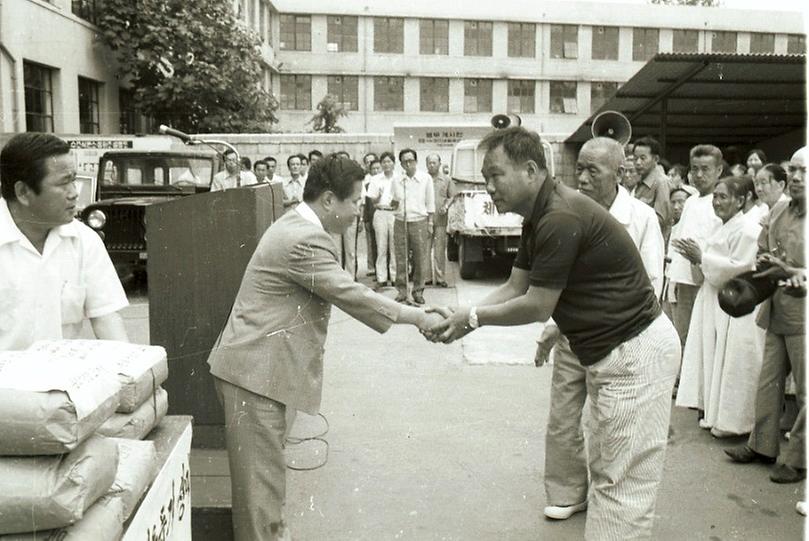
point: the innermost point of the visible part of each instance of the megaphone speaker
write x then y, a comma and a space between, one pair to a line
612, 124
500, 122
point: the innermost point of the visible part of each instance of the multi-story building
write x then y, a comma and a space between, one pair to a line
550, 62
55, 77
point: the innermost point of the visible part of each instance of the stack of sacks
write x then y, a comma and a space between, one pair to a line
140, 370
103, 521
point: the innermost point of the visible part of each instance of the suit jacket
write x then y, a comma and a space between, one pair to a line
272, 343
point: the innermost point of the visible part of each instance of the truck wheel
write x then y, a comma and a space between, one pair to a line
467, 268
452, 248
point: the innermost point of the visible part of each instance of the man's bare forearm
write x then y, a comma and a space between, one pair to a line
109, 327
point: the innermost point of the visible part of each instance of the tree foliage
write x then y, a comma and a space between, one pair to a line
704, 3
329, 112
192, 65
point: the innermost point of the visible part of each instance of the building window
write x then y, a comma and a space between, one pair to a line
88, 106
477, 95
262, 21
296, 92
477, 38
345, 89
796, 44
252, 21
564, 41
605, 43
686, 41
520, 96
388, 35
434, 94
563, 97
723, 42
37, 81
645, 43
269, 26
86, 9
342, 34
600, 93
433, 36
296, 33
131, 119
521, 40
762, 43
388, 93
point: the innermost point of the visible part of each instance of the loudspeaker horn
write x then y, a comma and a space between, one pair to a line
501, 122
614, 125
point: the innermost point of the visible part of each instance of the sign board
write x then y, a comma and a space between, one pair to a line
164, 513
87, 149
438, 138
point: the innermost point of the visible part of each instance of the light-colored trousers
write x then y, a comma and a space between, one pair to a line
418, 242
782, 354
439, 245
383, 230
630, 407
255, 431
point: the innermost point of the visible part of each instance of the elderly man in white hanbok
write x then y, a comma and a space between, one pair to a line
723, 355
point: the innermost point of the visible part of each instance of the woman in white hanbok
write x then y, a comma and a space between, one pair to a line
723, 355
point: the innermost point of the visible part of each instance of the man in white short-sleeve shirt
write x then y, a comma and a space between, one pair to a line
55, 270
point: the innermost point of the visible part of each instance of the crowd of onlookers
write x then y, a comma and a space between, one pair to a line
720, 220
717, 219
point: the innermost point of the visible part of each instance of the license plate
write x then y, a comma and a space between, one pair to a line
142, 255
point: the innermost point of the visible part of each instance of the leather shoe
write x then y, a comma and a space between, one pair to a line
744, 455
559, 512
787, 474
442, 284
418, 298
401, 299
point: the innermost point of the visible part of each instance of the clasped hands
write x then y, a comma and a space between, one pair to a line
444, 324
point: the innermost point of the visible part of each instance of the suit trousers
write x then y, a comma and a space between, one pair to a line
630, 406
439, 246
682, 309
565, 459
782, 354
255, 430
418, 242
383, 229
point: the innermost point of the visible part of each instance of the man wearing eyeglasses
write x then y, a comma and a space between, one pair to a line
413, 216
232, 176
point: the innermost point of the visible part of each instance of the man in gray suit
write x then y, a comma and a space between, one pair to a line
269, 356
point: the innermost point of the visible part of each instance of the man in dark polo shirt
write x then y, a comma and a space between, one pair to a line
579, 265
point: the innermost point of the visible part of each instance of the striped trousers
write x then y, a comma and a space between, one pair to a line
630, 406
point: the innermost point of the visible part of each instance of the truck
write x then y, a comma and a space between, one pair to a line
477, 232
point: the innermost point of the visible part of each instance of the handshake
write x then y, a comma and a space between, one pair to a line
444, 324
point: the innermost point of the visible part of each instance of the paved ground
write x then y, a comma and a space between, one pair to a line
425, 445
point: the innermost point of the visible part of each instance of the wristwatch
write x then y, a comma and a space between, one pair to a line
473, 322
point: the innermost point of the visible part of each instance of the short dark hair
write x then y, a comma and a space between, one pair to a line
315, 153
759, 153
387, 154
334, 173
343, 153
246, 163
260, 162
405, 151
739, 186
519, 144
291, 157
679, 169
227, 152
649, 142
676, 190
23, 160
303, 157
370, 154
269, 159
778, 173
375, 160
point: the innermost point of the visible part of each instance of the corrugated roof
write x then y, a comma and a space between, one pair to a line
724, 99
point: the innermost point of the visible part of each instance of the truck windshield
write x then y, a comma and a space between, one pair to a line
152, 171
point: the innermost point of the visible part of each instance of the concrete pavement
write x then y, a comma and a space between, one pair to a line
423, 445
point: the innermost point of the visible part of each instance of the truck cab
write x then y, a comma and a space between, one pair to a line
127, 182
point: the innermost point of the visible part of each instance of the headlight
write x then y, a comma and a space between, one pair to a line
96, 219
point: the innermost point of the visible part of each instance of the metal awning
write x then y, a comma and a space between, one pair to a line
723, 99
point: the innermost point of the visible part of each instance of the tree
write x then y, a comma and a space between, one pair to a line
704, 3
329, 112
191, 64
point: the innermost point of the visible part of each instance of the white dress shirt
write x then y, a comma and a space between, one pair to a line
698, 222
48, 296
225, 181
419, 200
381, 186
643, 226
